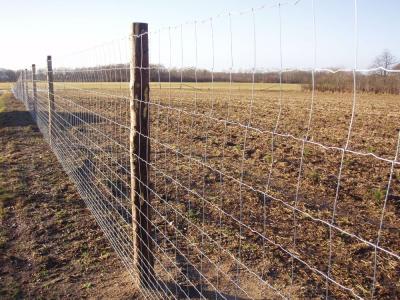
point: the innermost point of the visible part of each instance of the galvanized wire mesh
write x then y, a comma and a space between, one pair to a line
256, 191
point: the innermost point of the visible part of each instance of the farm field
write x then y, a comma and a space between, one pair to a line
245, 184
120, 87
189, 150
6, 85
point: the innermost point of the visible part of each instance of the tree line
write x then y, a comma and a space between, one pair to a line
342, 81
377, 81
8, 75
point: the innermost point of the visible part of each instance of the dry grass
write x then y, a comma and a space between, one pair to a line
6, 85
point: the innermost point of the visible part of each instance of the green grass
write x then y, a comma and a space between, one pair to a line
315, 177
379, 195
87, 285
193, 215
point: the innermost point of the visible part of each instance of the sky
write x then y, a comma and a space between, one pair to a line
266, 38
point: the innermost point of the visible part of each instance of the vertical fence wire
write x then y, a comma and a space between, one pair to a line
254, 190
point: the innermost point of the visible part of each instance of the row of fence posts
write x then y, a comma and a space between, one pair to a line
139, 146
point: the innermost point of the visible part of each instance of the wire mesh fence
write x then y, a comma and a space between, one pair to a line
251, 189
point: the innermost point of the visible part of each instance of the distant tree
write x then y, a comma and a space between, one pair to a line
385, 60
7, 75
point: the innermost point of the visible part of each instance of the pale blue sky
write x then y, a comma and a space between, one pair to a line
30, 30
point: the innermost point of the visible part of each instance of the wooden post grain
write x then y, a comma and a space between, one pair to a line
139, 148
26, 99
34, 90
23, 86
50, 95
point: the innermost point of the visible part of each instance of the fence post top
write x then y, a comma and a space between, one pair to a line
48, 57
139, 28
140, 24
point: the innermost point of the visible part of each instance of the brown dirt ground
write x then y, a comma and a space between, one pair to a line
208, 184
50, 245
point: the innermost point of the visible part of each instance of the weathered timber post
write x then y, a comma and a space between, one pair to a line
50, 95
26, 90
22, 90
139, 148
21, 87
34, 90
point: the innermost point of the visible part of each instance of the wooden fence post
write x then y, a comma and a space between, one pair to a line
139, 148
50, 95
27, 104
34, 90
23, 86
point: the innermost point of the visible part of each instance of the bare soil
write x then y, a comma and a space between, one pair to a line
240, 211
50, 245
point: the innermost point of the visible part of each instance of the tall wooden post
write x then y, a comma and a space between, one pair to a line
27, 104
50, 95
34, 90
23, 86
139, 147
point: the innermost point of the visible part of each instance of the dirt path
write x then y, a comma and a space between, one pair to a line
50, 245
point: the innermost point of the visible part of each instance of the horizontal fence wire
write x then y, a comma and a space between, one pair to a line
255, 190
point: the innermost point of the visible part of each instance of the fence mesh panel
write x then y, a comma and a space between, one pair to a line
256, 190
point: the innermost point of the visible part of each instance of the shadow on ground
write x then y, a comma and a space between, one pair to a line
15, 119
62, 119
179, 291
